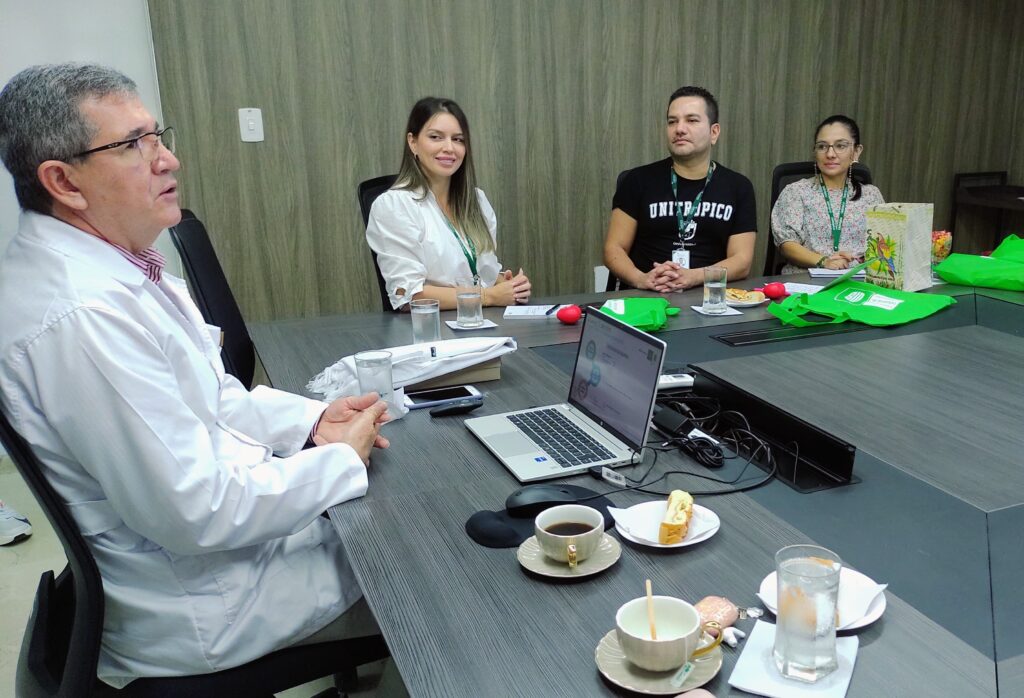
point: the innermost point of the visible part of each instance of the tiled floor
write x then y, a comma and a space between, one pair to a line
23, 562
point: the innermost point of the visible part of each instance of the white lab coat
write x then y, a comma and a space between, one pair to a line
416, 248
193, 493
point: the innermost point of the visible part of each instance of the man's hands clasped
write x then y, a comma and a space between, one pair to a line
355, 421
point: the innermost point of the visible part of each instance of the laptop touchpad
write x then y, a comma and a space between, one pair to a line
512, 443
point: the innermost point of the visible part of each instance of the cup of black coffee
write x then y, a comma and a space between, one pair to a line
569, 532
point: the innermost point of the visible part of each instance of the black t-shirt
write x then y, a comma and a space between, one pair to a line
726, 208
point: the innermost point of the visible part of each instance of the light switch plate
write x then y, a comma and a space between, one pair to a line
250, 124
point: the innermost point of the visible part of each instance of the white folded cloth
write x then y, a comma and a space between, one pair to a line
413, 363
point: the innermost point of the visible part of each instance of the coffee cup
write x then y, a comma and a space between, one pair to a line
569, 532
681, 635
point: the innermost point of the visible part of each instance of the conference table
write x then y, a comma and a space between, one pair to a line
936, 509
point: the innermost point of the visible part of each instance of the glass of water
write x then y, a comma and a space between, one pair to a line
373, 369
714, 290
469, 303
426, 320
805, 631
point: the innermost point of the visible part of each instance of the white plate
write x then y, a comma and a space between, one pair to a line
768, 593
745, 304
703, 524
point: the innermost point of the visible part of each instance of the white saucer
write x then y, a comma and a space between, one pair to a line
533, 558
708, 521
612, 663
768, 593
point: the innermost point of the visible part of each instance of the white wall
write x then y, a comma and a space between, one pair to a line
111, 32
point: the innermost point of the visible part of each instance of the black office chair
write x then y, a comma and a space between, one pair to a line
368, 192
783, 175
213, 296
613, 281
61, 646
964, 180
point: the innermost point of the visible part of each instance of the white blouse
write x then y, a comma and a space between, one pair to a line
416, 248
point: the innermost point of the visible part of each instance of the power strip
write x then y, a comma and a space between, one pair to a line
674, 381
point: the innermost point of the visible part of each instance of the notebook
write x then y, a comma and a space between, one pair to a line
606, 420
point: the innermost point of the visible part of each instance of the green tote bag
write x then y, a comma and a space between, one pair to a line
1004, 269
859, 302
647, 314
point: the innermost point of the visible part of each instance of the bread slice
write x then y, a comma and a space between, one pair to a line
677, 518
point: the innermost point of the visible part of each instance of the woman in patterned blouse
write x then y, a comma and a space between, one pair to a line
820, 221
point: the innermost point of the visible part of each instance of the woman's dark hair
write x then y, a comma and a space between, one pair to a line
462, 198
854, 130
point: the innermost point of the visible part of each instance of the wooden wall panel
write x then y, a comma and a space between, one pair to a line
562, 95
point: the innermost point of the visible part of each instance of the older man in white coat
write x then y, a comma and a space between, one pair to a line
196, 496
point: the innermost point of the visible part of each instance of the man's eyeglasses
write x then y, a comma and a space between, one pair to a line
840, 147
148, 144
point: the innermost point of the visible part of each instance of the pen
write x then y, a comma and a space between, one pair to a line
552, 309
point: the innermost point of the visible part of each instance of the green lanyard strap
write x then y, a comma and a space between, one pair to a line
837, 229
684, 222
470, 252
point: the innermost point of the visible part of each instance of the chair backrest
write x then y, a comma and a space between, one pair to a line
613, 281
61, 646
213, 296
368, 192
782, 176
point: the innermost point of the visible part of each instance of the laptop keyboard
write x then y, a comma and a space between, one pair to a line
560, 438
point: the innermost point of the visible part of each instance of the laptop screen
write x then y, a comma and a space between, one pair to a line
615, 379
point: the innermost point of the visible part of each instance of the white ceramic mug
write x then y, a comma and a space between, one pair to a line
681, 636
573, 548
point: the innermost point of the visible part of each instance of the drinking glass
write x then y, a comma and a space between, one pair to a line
426, 321
469, 304
373, 369
714, 290
805, 629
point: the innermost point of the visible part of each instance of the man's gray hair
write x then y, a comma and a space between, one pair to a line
40, 120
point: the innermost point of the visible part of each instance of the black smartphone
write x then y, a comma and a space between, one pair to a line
419, 399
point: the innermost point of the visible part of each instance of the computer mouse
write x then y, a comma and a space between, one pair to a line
533, 499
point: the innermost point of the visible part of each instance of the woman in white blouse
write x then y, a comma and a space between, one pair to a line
434, 229
822, 221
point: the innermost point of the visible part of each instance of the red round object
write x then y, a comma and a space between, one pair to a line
774, 290
570, 314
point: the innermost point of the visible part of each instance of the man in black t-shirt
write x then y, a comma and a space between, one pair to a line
673, 217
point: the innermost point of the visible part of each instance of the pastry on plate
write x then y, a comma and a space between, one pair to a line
676, 521
738, 295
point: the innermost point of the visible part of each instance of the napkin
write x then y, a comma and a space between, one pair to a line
728, 311
856, 592
413, 363
643, 521
755, 670
454, 324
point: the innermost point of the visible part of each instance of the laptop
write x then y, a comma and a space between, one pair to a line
611, 400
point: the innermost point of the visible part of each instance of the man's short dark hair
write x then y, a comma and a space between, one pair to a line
40, 120
710, 102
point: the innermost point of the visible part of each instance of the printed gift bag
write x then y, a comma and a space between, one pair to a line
899, 248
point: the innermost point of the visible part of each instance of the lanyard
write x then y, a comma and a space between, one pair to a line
837, 230
470, 252
684, 222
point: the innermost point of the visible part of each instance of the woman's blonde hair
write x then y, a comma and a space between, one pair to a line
462, 198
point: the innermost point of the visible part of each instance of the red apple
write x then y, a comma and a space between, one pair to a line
774, 290
569, 314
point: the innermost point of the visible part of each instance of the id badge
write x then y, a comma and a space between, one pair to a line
681, 257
